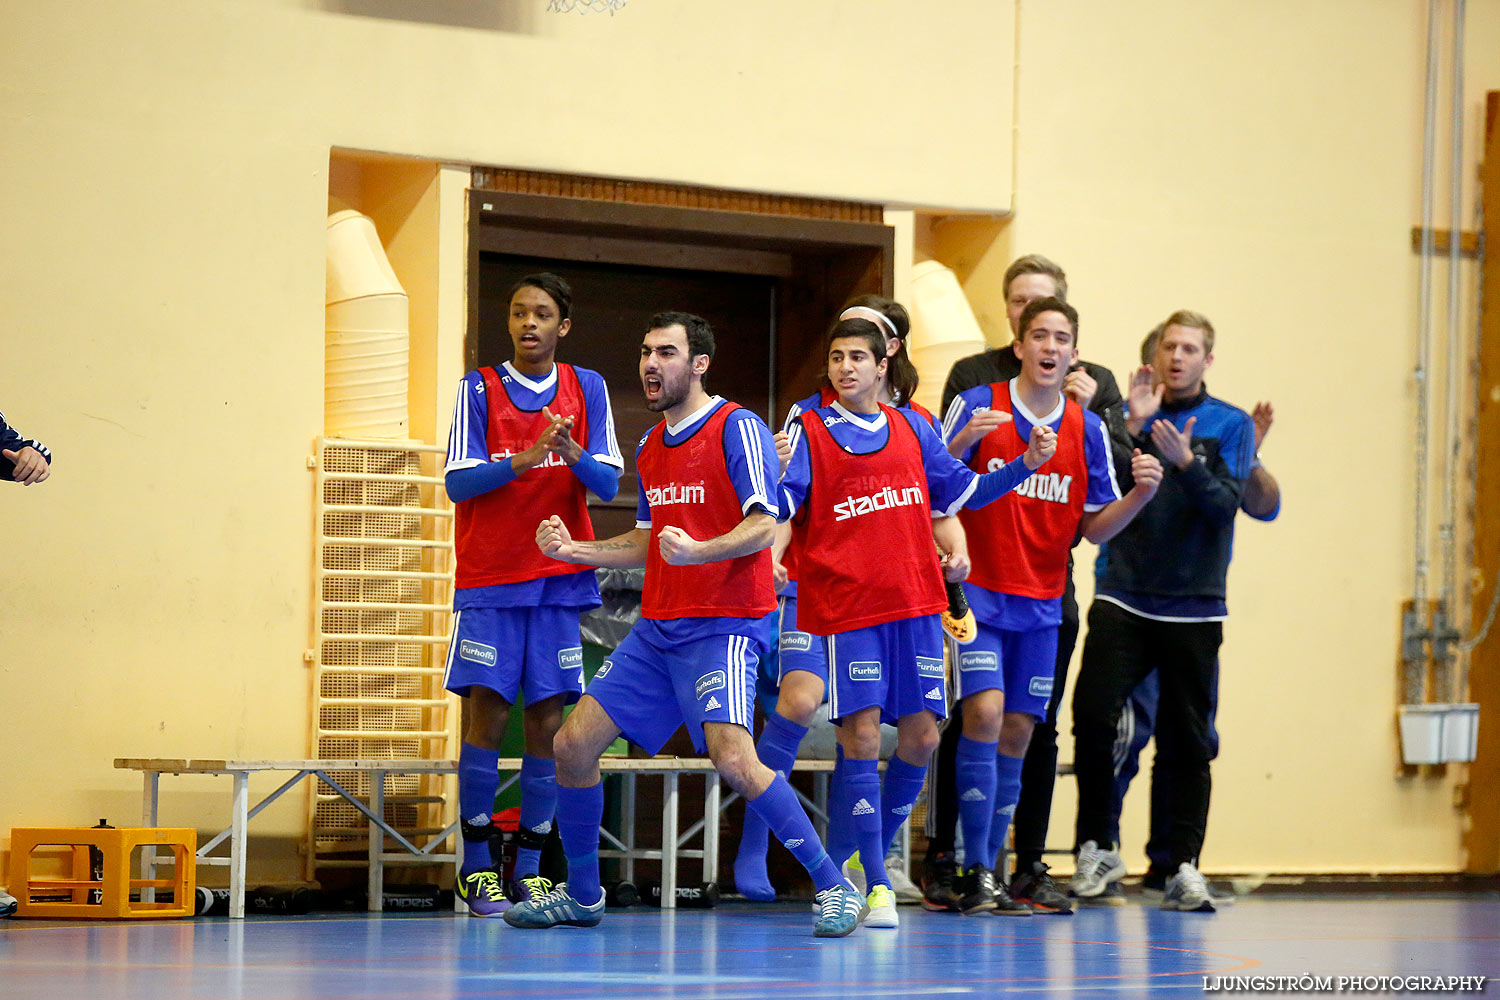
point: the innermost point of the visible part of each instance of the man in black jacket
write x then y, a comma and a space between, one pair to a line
1092, 386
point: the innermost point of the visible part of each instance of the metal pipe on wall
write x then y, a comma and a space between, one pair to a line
1413, 626
1444, 627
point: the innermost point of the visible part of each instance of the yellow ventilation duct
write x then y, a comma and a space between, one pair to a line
943, 329
366, 342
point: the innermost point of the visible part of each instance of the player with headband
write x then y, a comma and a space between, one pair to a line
803, 678
862, 471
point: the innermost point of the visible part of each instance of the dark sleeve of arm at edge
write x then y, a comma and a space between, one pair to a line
1110, 406
965, 374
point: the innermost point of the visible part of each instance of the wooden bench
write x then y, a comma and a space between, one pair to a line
624, 847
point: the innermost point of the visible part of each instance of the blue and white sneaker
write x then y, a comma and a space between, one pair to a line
481, 893
554, 908
840, 910
7, 903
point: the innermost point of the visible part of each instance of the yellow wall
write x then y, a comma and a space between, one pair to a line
166, 175
165, 183
1261, 163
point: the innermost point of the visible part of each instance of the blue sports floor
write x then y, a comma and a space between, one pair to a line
742, 951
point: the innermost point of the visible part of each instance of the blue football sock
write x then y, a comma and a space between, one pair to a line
974, 781
863, 782
899, 792
840, 826
478, 780
777, 750
1007, 792
538, 806
579, 812
785, 817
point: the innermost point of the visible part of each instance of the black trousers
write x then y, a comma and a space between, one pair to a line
1120, 650
1038, 772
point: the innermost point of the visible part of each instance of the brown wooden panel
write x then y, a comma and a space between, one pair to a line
679, 195
1482, 838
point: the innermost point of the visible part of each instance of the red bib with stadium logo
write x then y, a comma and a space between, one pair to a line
866, 533
1019, 544
495, 532
687, 485
827, 397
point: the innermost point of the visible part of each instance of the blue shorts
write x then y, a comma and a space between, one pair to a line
1022, 664
657, 680
898, 666
799, 650
532, 651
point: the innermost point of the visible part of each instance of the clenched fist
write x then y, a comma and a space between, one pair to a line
1146, 471
1042, 446
677, 547
553, 539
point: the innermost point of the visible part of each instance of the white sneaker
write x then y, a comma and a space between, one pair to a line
1187, 892
1097, 868
882, 904
905, 889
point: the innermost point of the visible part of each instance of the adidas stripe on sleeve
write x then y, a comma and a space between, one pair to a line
467, 446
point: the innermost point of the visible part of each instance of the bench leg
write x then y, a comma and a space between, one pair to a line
627, 820
375, 888
239, 821
149, 801
711, 827
669, 842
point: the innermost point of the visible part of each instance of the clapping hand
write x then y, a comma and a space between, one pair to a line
1080, 386
1263, 415
1145, 395
1175, 446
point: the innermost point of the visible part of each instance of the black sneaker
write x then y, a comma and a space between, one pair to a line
938, 891
1038, 889
1006, 905
976, 891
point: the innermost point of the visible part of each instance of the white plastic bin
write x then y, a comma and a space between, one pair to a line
1460, 733
1422, 734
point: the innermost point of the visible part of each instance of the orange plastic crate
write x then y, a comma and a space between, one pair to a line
116, 845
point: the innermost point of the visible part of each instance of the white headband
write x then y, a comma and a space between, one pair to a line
865, 312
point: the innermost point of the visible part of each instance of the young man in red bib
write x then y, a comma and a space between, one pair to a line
802, 680
1019, 550
704, 524
528, 437
862, 486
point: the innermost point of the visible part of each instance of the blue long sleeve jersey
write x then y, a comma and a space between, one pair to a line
11, 440
1172, 561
